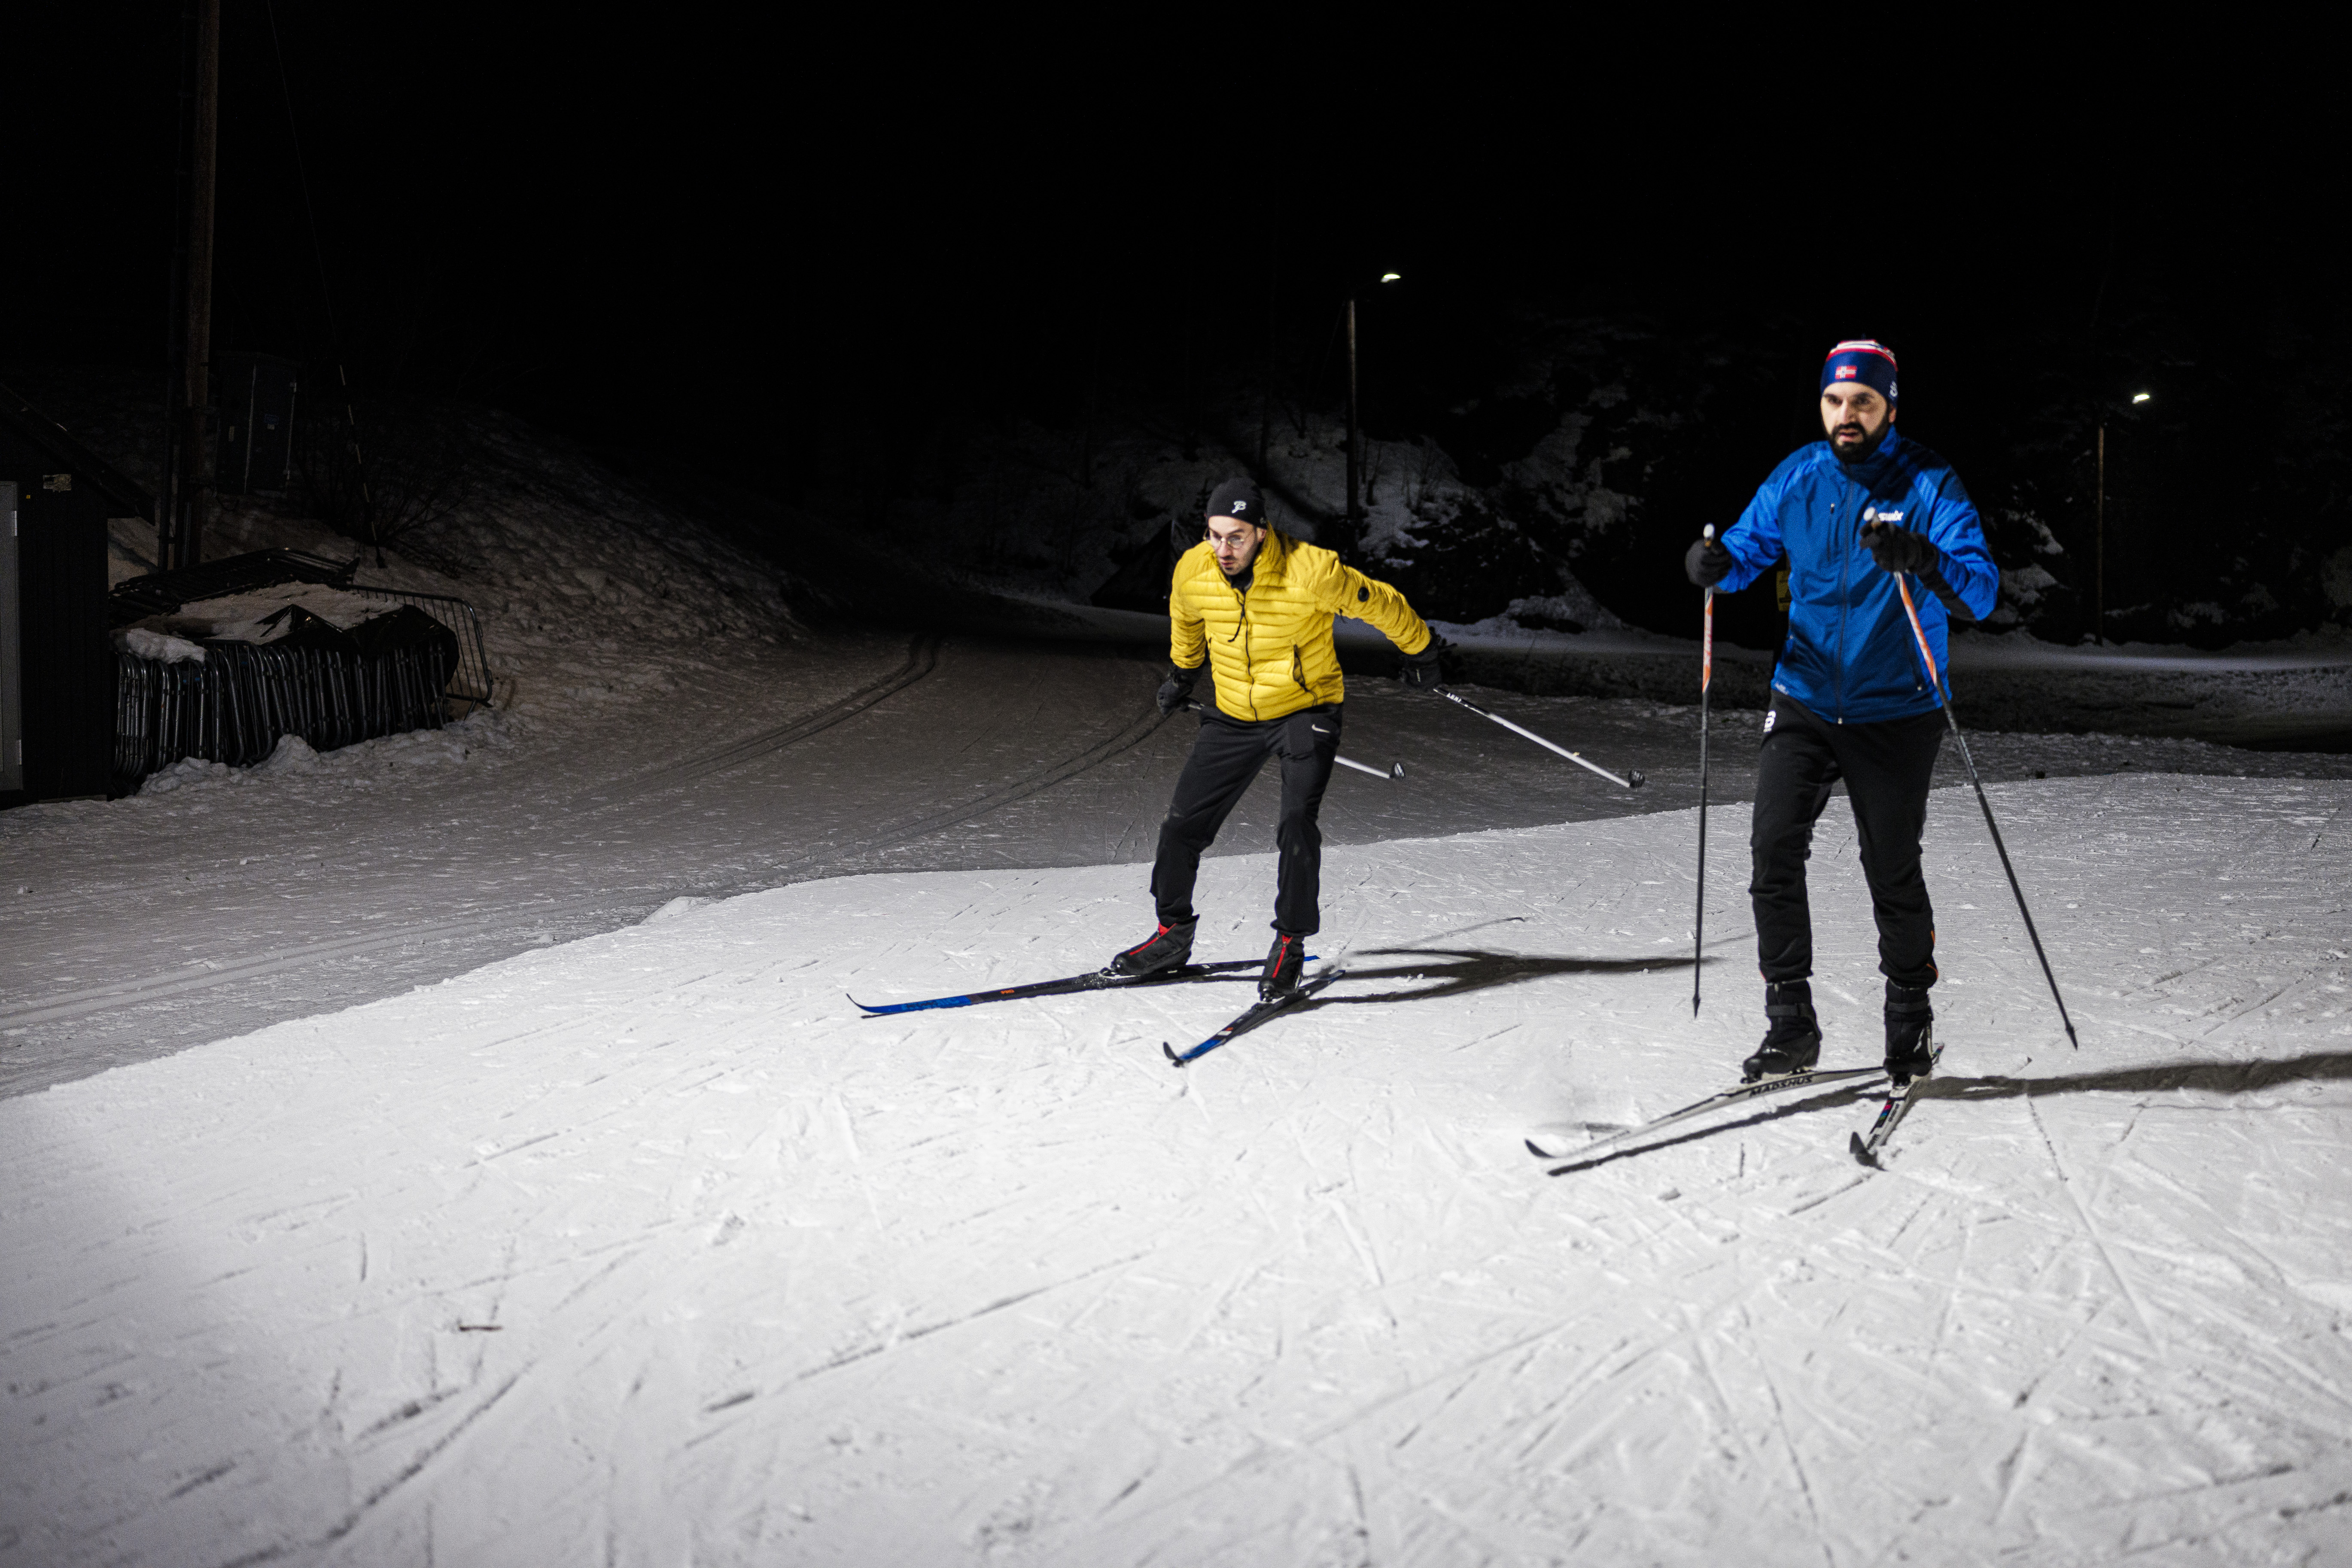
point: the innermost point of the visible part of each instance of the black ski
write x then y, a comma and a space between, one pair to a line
1891, 1114
1550, 1142
1100, 980
1258, 1014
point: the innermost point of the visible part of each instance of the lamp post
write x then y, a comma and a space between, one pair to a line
1355, 512
2099, 551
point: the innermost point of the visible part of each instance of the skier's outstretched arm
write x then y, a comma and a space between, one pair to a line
1344, 591
1754, 542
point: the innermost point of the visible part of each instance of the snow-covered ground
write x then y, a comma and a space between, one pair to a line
648, 1248
459, 1147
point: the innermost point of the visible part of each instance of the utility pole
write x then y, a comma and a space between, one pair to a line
1354, 514
185, 504
1265, 394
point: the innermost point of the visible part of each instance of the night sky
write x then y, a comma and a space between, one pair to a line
710, 235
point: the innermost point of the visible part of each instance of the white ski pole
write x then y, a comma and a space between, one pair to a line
1634, 781
1705, 679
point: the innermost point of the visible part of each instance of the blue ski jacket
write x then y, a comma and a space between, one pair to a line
1849, 656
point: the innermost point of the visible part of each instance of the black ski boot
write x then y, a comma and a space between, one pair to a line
1910, 1033
1169, 947
1283, 961
1792, 1040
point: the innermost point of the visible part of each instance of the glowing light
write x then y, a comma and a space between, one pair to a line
1391, 277
2140, 396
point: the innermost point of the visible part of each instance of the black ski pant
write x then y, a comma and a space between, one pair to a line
1886, 767
1225, 759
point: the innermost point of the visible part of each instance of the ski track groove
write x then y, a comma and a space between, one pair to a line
2097, 1237
1348, 1144
215, 973
1796, 1455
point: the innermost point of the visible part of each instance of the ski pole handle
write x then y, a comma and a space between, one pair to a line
1707, 637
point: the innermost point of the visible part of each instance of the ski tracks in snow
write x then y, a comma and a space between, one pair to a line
654, 1219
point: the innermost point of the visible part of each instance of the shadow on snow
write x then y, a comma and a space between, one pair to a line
1465, 970
2211, 1077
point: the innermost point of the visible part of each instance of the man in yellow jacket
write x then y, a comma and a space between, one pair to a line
1255, 607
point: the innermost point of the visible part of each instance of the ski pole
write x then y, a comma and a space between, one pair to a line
1635, 782
1935, 680
1706, 681
1396, 770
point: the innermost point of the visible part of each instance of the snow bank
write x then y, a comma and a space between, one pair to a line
593, 594
649, 1248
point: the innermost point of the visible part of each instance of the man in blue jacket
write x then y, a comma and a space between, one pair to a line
1850, 697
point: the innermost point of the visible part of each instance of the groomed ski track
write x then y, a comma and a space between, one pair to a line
134, 929
646, 1248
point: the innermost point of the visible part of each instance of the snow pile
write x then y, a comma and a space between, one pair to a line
648, 1248
357, 766
142, 643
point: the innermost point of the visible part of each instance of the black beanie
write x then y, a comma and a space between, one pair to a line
1239, 500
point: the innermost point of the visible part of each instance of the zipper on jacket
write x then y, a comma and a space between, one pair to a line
1249, 662
1837, 665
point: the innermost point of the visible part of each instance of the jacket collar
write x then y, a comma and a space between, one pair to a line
1873, 466
1267, 566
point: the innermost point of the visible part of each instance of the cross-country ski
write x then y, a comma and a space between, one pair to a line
1572, 1142
1250, 1018
1865, 1147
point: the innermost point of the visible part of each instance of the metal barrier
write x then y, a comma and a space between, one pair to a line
470, 681
236, 704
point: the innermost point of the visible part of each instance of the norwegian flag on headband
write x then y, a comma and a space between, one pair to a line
1862, 360
1865, 346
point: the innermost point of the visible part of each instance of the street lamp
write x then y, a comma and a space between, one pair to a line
2099, 600
1355, 513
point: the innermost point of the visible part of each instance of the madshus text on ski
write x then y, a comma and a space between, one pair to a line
1858, 694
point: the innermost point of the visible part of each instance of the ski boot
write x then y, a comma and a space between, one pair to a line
1283, 961
1910, 1033
1792, 1040
1169, 947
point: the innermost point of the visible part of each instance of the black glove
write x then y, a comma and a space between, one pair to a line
1177, 689
1708, 564
1425, 669
1899, 549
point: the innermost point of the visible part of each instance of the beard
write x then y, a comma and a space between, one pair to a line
1859, 451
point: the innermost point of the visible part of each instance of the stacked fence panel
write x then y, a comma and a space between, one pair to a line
236, 703
470, 681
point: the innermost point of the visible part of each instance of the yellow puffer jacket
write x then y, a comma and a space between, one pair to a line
1270, 647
